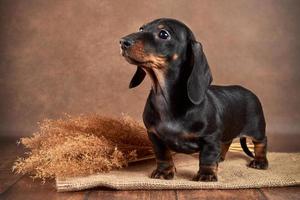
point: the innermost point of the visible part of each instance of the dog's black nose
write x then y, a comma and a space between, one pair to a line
125, 43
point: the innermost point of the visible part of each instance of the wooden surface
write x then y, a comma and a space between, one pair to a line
22, 187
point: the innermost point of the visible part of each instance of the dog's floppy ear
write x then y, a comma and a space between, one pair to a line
137, 78
200, 77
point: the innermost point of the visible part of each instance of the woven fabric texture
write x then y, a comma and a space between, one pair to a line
233, 173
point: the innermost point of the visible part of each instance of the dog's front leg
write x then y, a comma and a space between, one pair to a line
165, 167
208, 159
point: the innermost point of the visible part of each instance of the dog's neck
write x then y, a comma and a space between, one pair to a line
157, 77
169, 89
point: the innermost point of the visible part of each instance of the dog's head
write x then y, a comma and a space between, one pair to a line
167, 45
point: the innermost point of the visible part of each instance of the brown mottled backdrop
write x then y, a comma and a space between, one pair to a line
63, 56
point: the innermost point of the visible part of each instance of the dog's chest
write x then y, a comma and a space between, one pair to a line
171, 130
176, 137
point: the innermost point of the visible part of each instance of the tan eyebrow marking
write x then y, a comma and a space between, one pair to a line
175, 56
161, 26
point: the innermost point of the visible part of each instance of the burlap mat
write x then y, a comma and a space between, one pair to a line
284, 170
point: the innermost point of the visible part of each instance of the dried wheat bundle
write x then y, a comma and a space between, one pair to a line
82, 145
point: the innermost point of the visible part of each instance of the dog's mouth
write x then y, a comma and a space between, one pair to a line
140, 58
132, 60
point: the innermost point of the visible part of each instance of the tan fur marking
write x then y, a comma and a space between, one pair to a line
154, 65
213, 168
189, 136
259, 145
224, 149
153, 61
260, 151
160, 77
137, 51
168, 159
161, 26
152, 130
156, 61
175, 56
157, 77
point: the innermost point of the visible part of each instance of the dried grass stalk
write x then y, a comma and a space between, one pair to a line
82, 145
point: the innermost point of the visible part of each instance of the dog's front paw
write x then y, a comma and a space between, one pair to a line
205, 177
163, 174
259, 164
207, 173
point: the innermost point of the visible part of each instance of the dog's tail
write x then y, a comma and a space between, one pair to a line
243, 142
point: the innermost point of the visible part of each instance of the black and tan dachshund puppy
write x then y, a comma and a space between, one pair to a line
184, 112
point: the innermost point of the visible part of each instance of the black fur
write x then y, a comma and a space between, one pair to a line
243, 142
184, 112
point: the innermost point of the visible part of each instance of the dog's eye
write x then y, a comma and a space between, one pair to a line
141, 29
163, 34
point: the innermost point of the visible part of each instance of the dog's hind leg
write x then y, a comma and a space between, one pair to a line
260, 154
224, 149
